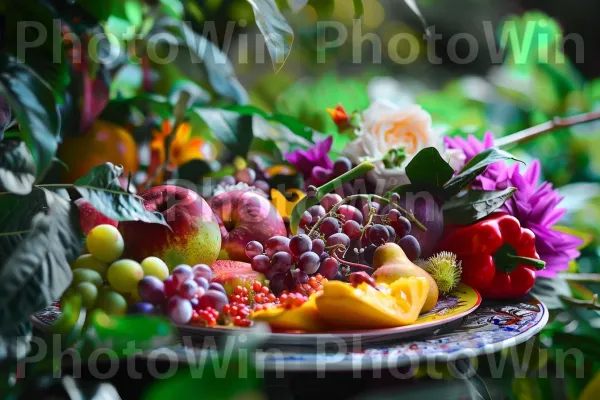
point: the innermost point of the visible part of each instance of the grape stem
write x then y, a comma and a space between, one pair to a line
351, 264
369, 197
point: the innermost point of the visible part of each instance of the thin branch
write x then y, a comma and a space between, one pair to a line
538, 130
587, 304
583, 278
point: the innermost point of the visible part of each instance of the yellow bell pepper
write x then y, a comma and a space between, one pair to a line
342, 306
303, 318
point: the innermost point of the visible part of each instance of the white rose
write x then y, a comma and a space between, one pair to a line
386, 126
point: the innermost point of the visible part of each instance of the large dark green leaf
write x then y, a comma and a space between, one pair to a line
37, 272
129, 10
429, 169
474, 168
278, 34
550, 291
31, 36
35, 107
101, 188
17, 169
294, 125
14, 342
196, 57
475, 205
16, 216
232, 129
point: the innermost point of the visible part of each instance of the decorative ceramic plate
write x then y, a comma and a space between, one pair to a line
492, 327
447, 315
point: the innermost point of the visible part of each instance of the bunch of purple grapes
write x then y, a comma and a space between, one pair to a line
360, 232
288, 262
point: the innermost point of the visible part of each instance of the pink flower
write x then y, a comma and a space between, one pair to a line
535, 205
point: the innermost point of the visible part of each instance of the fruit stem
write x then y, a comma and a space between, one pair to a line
351, 264
409, 215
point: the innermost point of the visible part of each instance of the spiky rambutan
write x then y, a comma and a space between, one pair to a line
445, 269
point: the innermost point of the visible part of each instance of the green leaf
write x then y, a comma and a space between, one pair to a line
278, 34
101, 188
37, 272
35, 107
129, 10
30, 35
475, 205
17, 169
294, 125
429, 169
232, 129
474, 168
194, 170
197, 57
359, 8
14, 342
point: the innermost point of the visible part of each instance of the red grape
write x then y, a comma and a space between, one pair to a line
329, 226
349, 212
352, 228
214, 299
152, 290
329, 268
318, 246
188, 289
276, 244
260, 263
299, 277
182, 273
391, 233
378, 234
341, 166
281, 262
202, 270
300, 244
309, 262
170, 286
369, 253
411, 247
262, 185
140, 308
337, 239
179, 310
402, 226
253, 248
202, 282
317, 212
214, 286
395, 198
276, 284
330, 200
305, 220
366, 209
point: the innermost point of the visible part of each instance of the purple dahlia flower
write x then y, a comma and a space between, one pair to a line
316, 156
534, 205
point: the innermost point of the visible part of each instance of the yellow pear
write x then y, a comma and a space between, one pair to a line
390, 264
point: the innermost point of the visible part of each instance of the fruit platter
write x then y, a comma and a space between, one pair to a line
347, 253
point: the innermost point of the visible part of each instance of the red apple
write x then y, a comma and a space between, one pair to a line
194, 237
89, 217
245, 215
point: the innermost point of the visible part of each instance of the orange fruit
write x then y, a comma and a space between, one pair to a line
104, 142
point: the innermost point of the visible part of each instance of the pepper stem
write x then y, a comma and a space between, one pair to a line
533, 262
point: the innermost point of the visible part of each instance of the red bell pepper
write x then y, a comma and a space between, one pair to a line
498, 256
